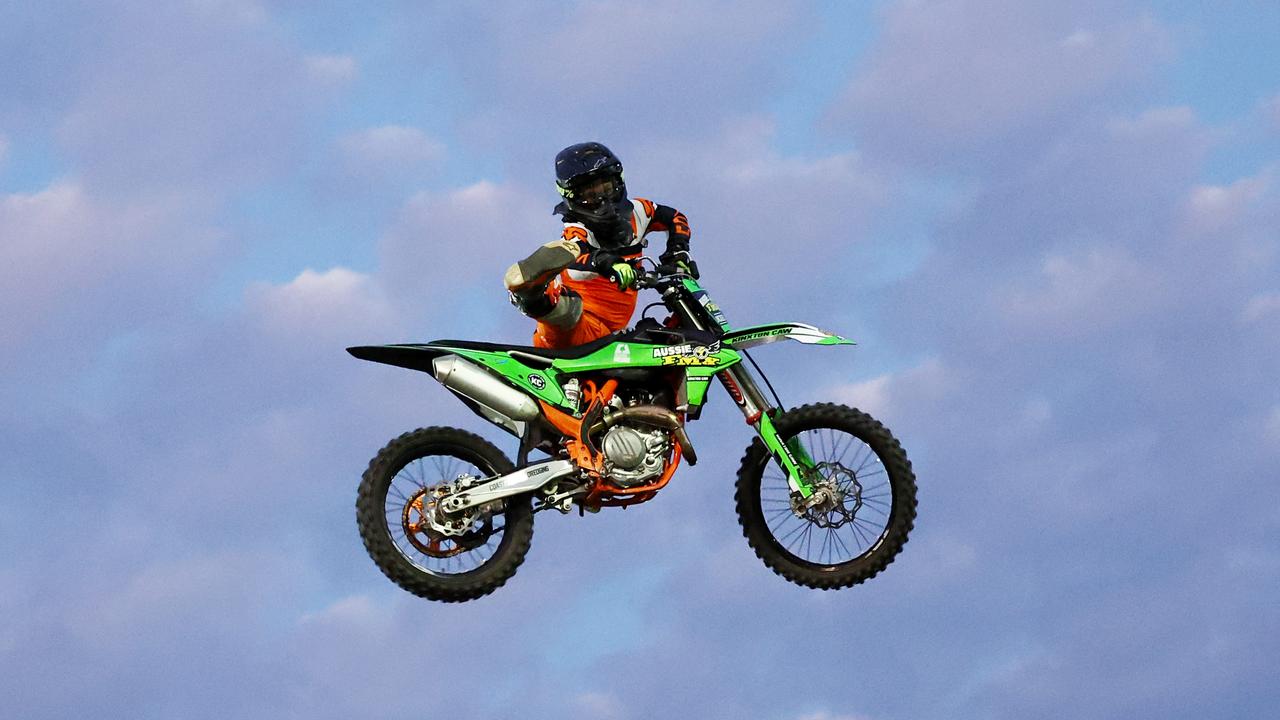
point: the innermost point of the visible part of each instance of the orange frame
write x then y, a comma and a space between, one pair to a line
602, 492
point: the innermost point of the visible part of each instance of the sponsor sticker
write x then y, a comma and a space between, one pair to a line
700, 351
763, 334
537, 381
688, 354
687, 360
715, 313
622, 353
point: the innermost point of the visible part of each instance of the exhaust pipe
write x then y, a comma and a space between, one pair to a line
470, 381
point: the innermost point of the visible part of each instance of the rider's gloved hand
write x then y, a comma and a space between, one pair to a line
681, 260
615, 268
623, 274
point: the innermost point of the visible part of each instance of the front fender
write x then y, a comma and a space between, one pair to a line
749, 337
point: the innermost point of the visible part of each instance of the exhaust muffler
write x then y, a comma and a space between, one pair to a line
472, 382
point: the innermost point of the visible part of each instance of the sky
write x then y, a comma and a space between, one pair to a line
1051, 227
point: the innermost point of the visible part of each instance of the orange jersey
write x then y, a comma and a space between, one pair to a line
600, 296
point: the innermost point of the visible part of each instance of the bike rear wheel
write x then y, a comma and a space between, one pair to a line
396, 501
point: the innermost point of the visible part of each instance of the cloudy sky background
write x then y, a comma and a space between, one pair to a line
1052, 229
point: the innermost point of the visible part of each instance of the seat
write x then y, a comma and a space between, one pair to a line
649, 333
569, 353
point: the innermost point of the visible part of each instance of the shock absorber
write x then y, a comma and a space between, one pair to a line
731, 385
748, 397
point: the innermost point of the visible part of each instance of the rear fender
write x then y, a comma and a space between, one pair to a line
541, 383
412, 357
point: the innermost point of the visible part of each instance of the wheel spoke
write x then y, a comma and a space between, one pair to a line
858, 454
411, 480
822, 552
843, 548
795, 530
807, 536
857, 528
778, 525
840, 446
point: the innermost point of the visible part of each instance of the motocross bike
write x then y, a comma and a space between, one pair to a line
825, 493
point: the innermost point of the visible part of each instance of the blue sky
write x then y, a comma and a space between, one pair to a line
1051, 227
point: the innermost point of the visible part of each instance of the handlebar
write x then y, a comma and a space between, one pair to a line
660, 277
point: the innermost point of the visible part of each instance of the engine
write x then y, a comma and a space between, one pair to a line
634, 454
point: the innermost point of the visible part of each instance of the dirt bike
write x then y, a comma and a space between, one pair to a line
825, 494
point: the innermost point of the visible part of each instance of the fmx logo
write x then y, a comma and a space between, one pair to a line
697, 351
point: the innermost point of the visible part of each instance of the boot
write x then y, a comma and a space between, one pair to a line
538, 270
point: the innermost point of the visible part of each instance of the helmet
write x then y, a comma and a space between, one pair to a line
589, 177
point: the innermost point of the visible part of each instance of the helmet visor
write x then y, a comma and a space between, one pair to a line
593, 193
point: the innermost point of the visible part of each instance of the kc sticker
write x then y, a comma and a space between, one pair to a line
537, 381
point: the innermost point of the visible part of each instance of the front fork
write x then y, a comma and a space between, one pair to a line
790, 455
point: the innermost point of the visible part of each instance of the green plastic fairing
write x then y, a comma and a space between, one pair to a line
543, 384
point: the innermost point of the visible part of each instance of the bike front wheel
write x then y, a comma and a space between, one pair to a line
867, 491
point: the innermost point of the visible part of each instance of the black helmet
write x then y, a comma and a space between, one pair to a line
589, 177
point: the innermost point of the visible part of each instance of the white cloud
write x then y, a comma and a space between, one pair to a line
1216, 209
4, 149
882, 396
65, 247
1037, 411
167, 593
824, 715
213, 99
1080, 39
1271, 111
600, 705
446, 249
331, 69
752, 206
1082, 290
1271, 428
718, 53
1154, 121
245, 12
964, 72
1252, 560
1261, 307
871, 396
390, 148
355, 610
336, 304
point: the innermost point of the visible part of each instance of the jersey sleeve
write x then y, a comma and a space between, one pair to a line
577, 235
674, 223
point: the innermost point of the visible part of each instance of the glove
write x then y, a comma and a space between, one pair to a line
615, 268
681, 260
623, 274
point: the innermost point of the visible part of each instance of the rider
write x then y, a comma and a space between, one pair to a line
594, 293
